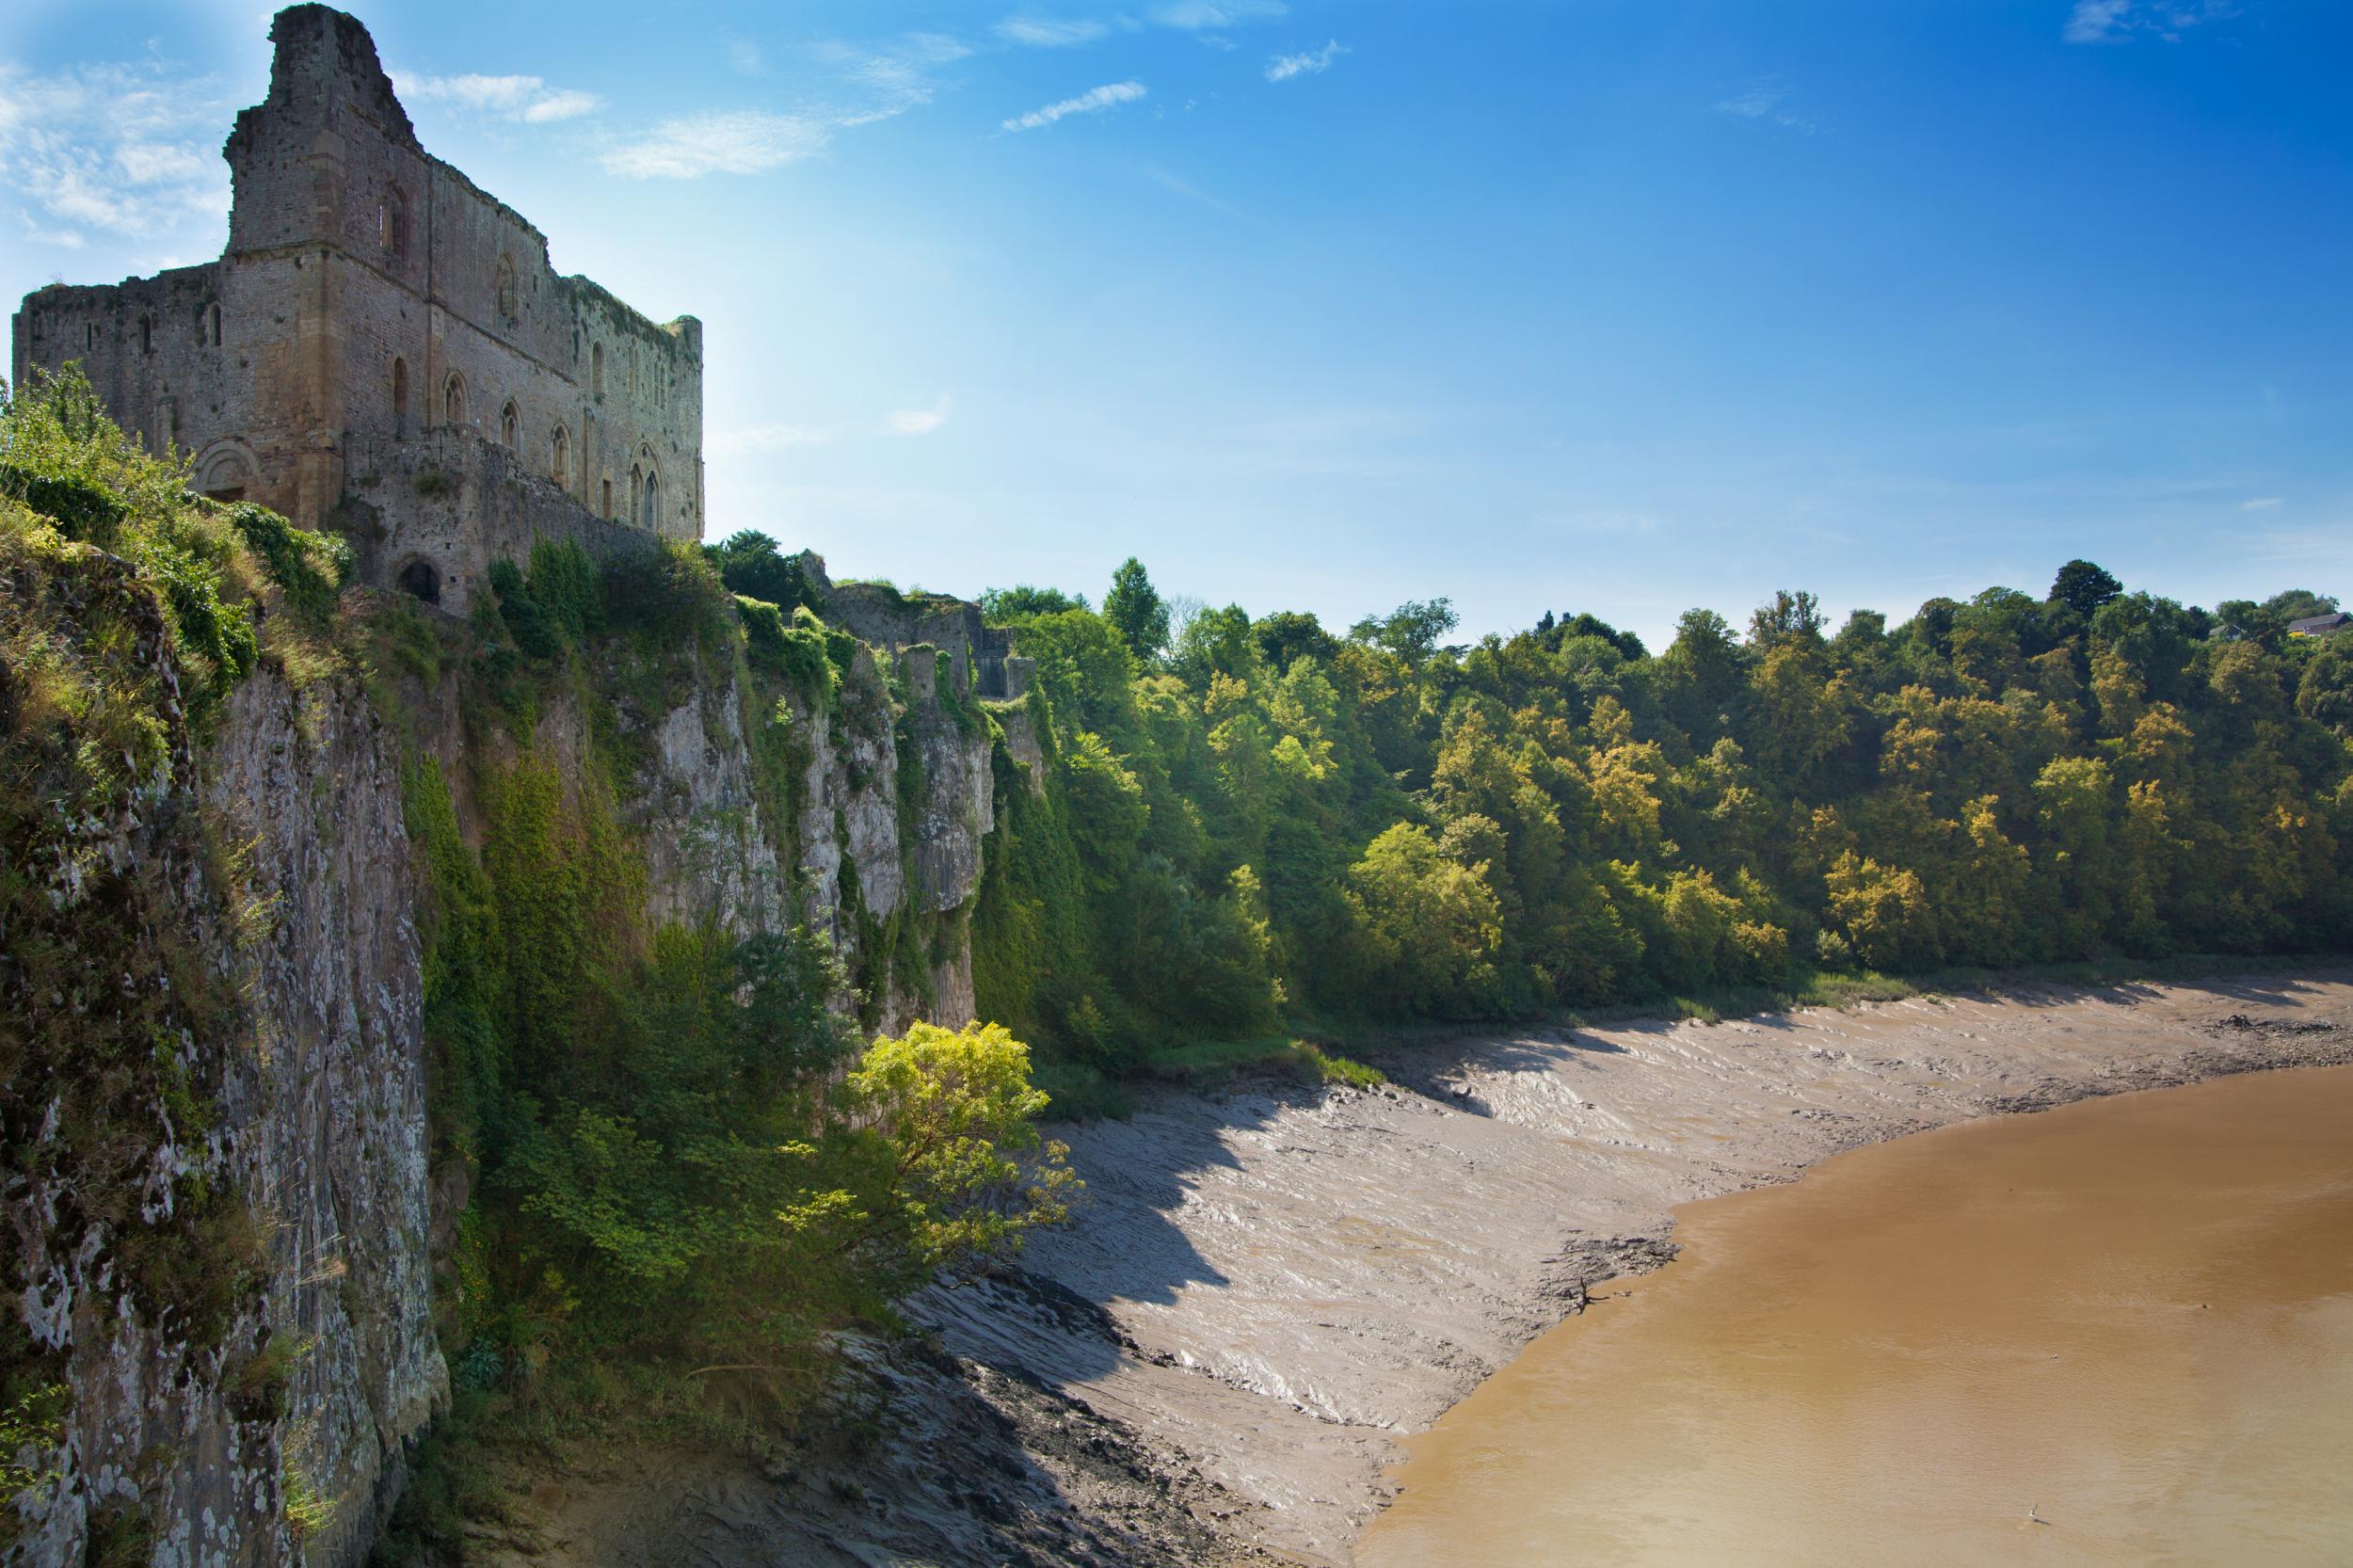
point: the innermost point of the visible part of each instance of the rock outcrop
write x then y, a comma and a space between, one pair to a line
258, 1380
274, 1426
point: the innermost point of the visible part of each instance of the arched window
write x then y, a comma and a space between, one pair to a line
453, 399
636, 489
225, 477
400, 398
652, 518
507, 421
596, 370
560, 458
208, 323
506, 289
216, 320
392, 222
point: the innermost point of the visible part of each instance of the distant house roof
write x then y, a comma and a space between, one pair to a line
2319, 626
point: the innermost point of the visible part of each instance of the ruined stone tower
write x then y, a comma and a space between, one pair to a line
384, 348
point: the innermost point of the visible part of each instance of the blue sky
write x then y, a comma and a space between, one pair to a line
1612, 307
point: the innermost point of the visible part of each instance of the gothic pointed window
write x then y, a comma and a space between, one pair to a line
652, 518
392, 222
560, 458
509, 421
506, 302
636, 489
453, 400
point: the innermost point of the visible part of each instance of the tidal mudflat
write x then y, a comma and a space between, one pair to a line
1270, 1286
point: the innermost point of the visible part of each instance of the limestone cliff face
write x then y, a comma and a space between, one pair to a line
217, 1446
894, 802
189, 1423
339, 1116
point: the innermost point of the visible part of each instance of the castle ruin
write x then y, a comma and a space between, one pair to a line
383, 348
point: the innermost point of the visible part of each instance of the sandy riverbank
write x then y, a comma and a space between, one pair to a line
1267, 1284
1289, 1280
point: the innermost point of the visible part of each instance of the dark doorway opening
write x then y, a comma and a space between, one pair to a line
419, 581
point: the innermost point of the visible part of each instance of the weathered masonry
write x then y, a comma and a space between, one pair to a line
383, 346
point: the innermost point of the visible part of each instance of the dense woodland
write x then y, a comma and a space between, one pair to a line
1250, 820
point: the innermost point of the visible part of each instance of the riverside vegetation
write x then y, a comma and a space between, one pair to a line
1251, 820
689, 1167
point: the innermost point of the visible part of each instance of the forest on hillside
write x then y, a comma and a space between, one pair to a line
1250, 821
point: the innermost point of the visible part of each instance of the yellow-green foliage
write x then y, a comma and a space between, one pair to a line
1559, 818
950, 1110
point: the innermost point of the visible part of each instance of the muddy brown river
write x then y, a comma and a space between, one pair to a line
2120, 1331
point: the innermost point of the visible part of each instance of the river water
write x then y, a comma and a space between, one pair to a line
2130, 1317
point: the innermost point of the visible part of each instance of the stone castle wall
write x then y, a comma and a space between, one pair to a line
371, 291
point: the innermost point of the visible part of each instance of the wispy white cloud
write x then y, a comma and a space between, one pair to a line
129, 148
1765, 103
1282, 68
877, 82
1093, 100
741, 141
2095, 20
2114, 21
1169, 182
2262, 504
70, 239
525, 100
918, 422
747, 58
1197, 14
890, 78
1045, 33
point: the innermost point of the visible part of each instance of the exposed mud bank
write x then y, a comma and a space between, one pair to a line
1271, 1285
1266, 1287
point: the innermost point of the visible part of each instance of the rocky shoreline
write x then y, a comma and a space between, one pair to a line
1267, 1284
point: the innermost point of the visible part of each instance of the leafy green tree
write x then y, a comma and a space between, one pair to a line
1431, 929
999, 605
1410, 631
2324, 692
1790, 617
1135, 607
749, 564
949, 1115
1216, 643
1700, 676
1289, 634
2083, 587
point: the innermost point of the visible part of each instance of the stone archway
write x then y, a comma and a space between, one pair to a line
420, 580
225, 474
